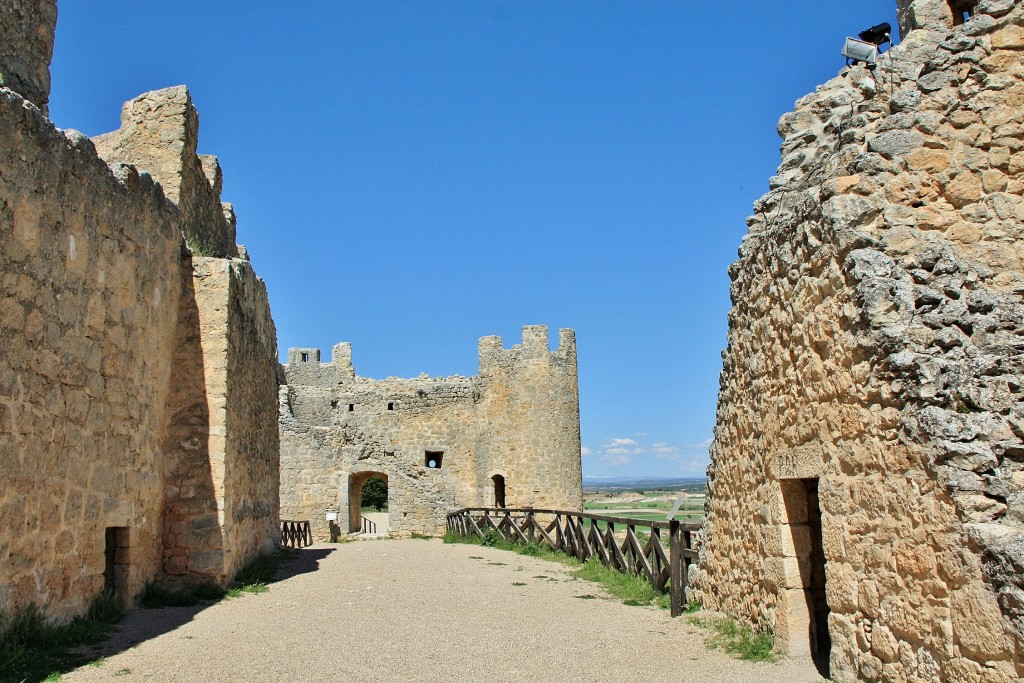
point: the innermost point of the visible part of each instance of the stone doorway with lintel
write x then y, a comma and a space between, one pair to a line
798, 570
370, 523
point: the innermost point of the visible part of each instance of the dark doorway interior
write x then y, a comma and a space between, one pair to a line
821, 642
499, 490
962, 10
115, 571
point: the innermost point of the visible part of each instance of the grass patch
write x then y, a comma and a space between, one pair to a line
518, 583
32, 649
630, 588
737, 639
423, 537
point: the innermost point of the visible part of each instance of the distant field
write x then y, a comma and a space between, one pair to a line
690, 511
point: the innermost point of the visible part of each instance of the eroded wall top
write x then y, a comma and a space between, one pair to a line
26, 47
159, 134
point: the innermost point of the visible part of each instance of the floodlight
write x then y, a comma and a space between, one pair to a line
860, 51
877, 35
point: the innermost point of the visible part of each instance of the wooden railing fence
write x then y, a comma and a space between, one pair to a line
369, 526
296, 533
578, 534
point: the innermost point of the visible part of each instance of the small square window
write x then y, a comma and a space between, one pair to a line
305, 358
351, 407
391, 406
433, 459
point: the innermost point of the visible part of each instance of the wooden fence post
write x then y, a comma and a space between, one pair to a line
676, 569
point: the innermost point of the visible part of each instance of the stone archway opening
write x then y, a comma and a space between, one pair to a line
371, 521
499, 490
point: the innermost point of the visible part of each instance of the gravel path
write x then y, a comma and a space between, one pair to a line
415, 610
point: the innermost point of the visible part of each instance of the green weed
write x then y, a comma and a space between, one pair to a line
32, 649
630, 588
737, 639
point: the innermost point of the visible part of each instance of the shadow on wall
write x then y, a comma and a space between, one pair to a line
193, 540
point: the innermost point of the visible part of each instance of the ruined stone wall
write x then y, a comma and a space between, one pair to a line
874, 350
519, 418
89, 290
159, 134
222, 451
250, 492
26, 47
138, 382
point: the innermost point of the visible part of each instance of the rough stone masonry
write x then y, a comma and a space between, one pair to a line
138, 393
866, 493
509, 436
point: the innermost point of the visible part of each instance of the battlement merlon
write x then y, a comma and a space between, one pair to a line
534, 345
159, 135
304, 366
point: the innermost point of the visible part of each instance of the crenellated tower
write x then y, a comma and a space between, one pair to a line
529, 443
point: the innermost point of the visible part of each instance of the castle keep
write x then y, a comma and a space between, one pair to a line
138, 439
866, 493
509, 436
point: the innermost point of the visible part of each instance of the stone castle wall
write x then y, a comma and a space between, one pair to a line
222, 452
26, 47
519, 418
138, 382
867, 477
89, 265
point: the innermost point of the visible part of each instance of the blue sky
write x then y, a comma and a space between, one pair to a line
411, 176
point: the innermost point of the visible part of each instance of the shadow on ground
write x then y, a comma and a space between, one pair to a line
142, 624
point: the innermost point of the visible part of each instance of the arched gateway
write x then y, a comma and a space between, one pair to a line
376, 523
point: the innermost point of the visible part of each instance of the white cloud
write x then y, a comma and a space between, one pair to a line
658, 456
616, 459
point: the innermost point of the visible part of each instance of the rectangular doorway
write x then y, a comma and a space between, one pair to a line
115, 571
821, 641
808, 607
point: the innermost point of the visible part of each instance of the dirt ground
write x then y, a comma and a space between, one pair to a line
417, 610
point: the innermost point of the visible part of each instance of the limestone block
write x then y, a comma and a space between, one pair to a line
1010, 37
977, 624
792, 620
